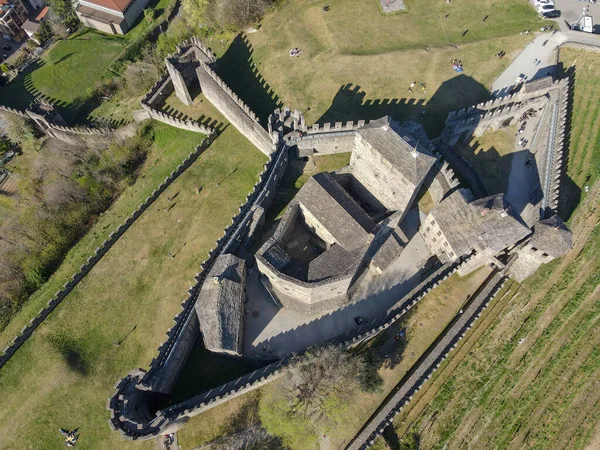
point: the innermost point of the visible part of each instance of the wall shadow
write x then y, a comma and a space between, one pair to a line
239, 72
350, 103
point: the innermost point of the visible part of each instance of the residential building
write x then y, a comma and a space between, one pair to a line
13, 15
110, 16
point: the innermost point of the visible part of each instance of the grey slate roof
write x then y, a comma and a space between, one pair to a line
552, 236
277, 256
333, 262
395, 145
536, 85
220, 305
333, 208
388, 252
487, 223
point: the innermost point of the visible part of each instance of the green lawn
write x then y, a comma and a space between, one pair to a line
70, 70
379, 56
66, 74
70, 362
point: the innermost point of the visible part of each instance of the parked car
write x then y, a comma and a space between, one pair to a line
551, 14
545, 8
543, 2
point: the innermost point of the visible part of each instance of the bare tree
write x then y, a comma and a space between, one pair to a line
62, 193
59, 29
318, 375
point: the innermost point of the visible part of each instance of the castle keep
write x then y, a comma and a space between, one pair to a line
342, 233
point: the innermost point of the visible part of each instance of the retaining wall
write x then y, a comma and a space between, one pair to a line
59, 296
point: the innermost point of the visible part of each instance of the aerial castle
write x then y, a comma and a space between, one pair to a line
341, 228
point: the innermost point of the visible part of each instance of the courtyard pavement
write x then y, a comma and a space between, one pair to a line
288, 331
542, 48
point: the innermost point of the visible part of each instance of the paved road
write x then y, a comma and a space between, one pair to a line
541, 48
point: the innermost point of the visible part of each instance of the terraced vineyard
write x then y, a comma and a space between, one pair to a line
527, 376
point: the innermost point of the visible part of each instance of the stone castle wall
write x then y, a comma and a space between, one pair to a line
233, 108
174, 416
60, 295
426, 365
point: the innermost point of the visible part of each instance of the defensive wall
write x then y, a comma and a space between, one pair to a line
154, 100
55, 130
427, 364
122, 404
233, 108
60, 295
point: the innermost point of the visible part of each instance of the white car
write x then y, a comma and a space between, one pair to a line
545, 8
543, 2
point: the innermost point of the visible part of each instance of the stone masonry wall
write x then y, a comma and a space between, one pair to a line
60, 295
176, 415
233, 108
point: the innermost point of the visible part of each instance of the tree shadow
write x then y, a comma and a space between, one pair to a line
73, 353
239, 72
63, 58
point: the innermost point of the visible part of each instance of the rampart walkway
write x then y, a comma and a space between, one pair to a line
429, 362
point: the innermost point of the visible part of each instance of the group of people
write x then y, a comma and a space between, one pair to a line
423, 86
457, 65
295, 51
70, 436
523, 142
168, 440
500, 54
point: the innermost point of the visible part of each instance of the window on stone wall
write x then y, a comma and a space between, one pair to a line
427, 230
439, 233
445, 244
432, 222
433, 239
545, 255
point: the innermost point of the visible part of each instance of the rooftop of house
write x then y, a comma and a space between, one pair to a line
399, 148
336, 211
220, 304
115, 5
486, 223
552, 236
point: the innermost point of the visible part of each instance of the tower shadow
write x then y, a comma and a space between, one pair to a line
236, 67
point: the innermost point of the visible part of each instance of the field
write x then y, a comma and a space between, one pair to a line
527, 375
70, 362
584, 148
353, 57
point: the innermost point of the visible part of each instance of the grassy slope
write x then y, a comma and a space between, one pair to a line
332, 44
530, 380
70, 362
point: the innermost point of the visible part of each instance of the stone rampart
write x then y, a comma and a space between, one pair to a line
176, 415
559, 139
17, 112
233, 108
190, 125
60, 295
159, 92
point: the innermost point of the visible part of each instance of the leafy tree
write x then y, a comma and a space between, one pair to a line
44, 32
194, 12
64, 9
21, 131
